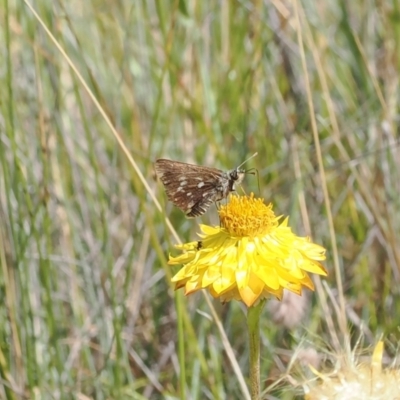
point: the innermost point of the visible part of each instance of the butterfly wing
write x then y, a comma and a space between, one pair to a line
192, 188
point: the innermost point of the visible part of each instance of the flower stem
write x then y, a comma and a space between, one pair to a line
253, 325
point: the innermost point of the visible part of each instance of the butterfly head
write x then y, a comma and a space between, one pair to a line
236, 177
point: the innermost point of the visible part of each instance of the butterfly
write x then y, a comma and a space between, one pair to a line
193, 188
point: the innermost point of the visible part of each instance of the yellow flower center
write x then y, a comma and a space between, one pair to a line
247, 216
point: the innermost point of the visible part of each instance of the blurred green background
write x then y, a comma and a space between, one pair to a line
87, 309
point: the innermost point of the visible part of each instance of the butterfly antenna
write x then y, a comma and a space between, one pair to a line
258, 182
245, 161
254, 171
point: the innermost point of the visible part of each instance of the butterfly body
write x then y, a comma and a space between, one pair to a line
193, 188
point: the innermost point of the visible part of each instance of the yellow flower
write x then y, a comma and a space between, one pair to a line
248, 257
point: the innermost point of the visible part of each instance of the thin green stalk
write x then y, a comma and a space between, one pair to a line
181, 345
253, 325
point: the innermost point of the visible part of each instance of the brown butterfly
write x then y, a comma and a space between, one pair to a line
193, 188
